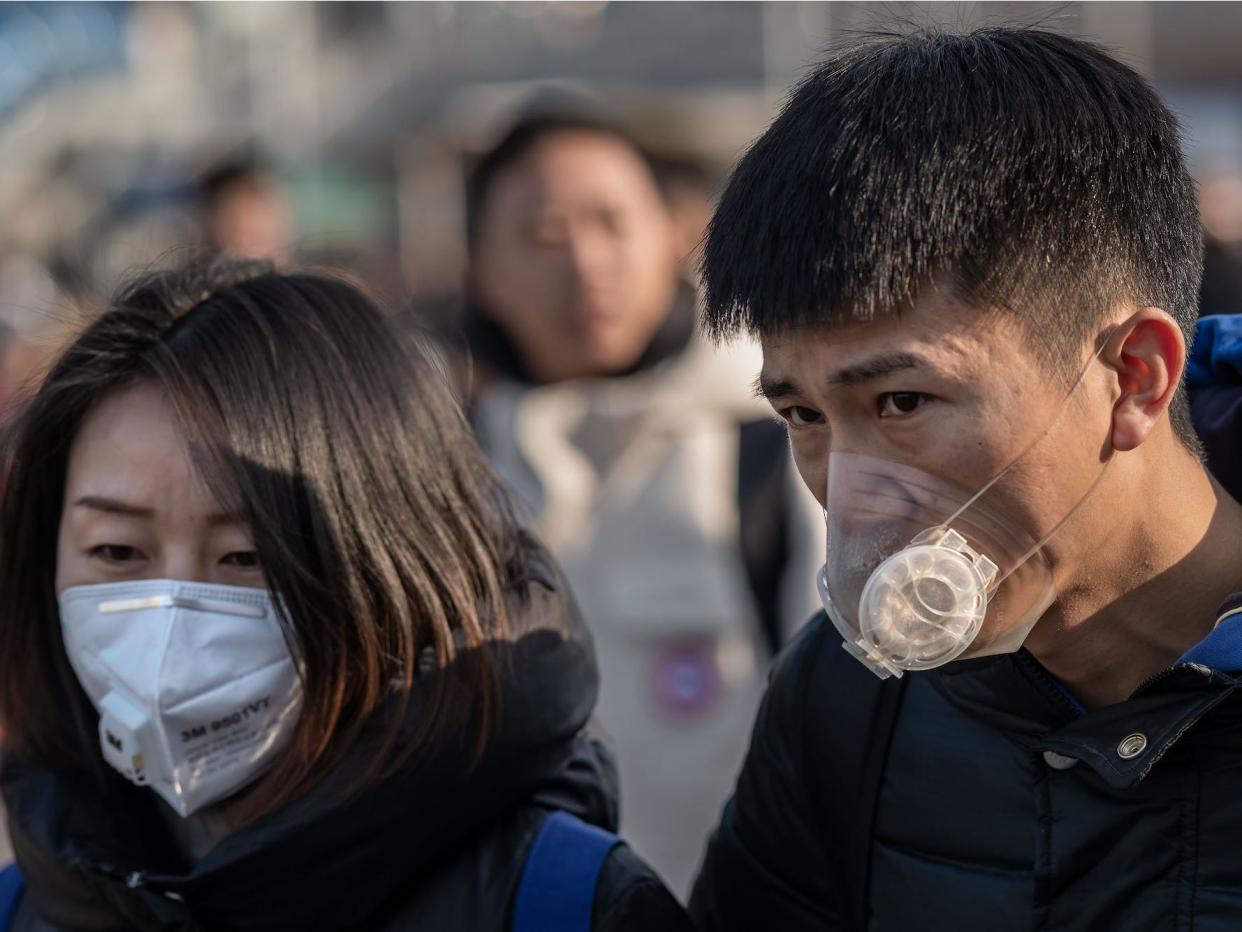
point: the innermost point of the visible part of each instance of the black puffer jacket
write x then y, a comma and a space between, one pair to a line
439, 846
996, 805
981, 796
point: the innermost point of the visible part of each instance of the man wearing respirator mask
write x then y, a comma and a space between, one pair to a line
973, 263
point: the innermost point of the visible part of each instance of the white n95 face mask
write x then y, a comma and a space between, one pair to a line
921, 571
196, 688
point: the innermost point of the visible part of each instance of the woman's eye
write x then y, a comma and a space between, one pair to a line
801, 416
241, 559
115, 553
898, 404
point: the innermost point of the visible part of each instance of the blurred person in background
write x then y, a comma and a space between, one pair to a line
689, 189
32, 318
649, 468
276, 657
11, 369
1215, 370
1220, 205
245, 212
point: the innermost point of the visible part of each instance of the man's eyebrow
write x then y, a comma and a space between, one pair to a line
876, 368
767, 386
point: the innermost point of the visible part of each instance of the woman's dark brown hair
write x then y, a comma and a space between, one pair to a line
377, 520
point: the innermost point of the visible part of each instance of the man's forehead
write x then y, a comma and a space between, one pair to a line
589, 161
915, 338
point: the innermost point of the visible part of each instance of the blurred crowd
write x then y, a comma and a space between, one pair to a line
638, 452
545, 238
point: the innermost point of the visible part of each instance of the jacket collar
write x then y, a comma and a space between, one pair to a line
1121, 742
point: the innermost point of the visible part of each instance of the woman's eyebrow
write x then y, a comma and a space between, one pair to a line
113, 506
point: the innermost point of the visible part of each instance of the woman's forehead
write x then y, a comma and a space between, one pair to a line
129, 450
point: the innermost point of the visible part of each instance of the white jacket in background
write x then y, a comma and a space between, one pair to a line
632, 482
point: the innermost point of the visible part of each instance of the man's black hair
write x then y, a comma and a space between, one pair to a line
1028, 170
224, 176
684, 171
520, 139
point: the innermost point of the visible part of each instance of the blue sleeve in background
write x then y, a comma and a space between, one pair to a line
1214, 380
11, 888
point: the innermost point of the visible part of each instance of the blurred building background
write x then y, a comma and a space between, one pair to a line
337, 133
112, 116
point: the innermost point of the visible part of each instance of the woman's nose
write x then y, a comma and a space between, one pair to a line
186, 564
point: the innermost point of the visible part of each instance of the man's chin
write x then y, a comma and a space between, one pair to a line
605, 357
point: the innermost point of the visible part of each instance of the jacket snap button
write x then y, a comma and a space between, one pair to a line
1059, 761
1132, 746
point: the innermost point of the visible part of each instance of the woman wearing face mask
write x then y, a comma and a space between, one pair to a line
274, 653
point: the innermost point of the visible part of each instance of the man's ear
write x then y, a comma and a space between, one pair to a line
1148, 354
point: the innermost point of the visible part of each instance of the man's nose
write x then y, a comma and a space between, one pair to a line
590, 255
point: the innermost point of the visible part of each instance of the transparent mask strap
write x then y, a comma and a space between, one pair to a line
1043, 540
1027, 449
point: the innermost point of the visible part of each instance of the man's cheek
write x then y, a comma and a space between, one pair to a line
813, 470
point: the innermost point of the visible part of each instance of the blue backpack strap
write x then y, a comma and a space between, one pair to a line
557, 890
11, 888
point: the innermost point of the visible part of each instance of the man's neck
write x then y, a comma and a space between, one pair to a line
1152, 595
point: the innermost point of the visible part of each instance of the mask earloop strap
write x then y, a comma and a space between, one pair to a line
1043, 540
1027, 449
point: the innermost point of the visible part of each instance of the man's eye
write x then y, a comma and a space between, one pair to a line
241, 559
551, 231
899, 404
115, 553
801, 416
612, 222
